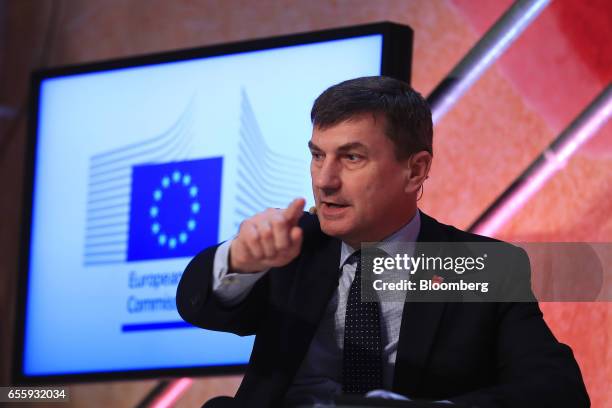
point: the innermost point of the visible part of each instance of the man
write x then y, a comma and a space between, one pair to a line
288, 278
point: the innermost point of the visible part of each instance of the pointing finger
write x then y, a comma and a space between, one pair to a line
294, 211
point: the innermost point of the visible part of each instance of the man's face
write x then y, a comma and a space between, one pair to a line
358, 184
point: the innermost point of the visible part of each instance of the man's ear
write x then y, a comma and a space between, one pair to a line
417, 170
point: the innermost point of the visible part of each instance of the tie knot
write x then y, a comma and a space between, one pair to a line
366, 256
354, 257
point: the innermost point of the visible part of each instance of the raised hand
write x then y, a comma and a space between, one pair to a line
268, 239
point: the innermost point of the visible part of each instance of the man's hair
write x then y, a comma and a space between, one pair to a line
407, 114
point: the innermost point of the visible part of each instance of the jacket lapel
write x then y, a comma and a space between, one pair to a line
316, 280
419, 325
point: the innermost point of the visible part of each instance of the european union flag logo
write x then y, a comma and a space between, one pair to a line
174, 209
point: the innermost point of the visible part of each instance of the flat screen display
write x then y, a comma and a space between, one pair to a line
136, 168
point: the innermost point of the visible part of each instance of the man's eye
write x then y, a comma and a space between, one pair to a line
353, 157
316, 155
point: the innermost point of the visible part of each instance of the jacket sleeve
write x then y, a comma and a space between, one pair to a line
197, 305
533, 368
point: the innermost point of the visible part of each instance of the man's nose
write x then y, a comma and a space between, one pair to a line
327, 177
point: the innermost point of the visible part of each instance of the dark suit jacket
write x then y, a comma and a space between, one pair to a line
478, 354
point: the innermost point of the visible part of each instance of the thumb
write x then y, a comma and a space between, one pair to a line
296, 236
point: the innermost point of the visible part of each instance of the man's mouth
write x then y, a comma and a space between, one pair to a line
334, 205
333, 210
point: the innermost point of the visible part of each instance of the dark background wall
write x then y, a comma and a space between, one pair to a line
560, 63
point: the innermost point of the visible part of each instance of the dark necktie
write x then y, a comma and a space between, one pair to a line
362, 353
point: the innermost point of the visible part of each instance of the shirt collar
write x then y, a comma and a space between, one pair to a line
393, 244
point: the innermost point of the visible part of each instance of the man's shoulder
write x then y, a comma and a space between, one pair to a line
460, 235
436, 231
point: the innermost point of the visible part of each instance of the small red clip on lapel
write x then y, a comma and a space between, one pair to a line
437, 279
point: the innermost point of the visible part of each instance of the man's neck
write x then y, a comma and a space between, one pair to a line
398, 232
393, 243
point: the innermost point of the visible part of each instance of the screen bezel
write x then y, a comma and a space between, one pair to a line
396, 61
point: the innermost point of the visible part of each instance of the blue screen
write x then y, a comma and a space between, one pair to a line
138, 169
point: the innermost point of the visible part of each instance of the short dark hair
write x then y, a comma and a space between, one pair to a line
407, 113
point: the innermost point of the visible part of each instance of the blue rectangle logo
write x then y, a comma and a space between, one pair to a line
175, 209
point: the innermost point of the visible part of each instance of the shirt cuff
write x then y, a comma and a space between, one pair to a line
231, 288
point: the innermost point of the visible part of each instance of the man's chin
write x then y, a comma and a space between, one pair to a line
334, 228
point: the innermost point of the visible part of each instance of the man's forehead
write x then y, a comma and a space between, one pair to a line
362, 130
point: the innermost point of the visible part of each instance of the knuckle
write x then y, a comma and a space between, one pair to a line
266, 231
268, 253
278, 222
244, 225
250, 234
256, 252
